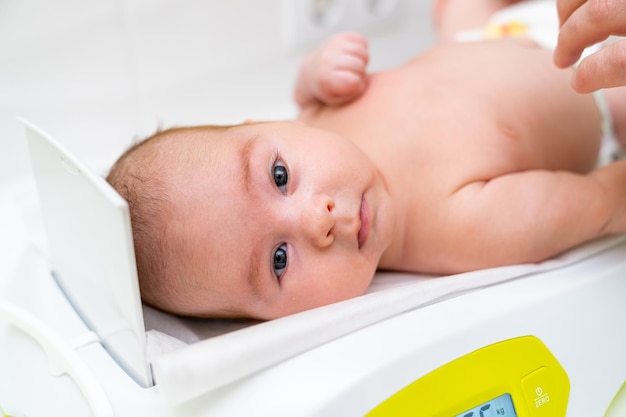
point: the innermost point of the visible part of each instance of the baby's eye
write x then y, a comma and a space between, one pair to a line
280, 175
280, 260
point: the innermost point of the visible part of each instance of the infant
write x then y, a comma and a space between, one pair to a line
472, 155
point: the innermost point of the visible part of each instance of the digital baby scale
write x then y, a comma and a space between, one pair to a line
538, 340
513, 378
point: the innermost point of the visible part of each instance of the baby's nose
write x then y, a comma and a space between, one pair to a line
317, 220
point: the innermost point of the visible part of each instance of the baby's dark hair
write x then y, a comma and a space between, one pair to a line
148, 176
139, 176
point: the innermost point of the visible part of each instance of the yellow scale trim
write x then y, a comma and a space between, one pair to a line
522, 367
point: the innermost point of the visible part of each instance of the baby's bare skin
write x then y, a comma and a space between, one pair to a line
519, 146
469, 156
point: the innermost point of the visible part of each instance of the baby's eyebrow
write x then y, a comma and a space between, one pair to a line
244, 154
254, 278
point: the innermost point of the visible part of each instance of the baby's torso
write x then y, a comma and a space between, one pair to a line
462, 113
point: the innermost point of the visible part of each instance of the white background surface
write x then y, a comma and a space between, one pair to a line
98, 74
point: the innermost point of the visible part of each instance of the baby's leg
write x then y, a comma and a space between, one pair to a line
452, 16
616, 99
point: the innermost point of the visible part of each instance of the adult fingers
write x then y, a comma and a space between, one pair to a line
603, 69
565, 8
592, 22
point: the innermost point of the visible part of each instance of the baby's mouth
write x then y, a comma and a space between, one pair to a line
364, 230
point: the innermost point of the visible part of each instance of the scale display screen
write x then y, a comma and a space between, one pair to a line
501, 406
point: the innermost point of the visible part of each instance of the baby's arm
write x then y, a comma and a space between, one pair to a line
334, 73
533, 215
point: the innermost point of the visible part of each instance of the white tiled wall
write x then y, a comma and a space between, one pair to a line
96, 74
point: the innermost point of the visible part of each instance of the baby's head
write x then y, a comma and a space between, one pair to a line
257, 220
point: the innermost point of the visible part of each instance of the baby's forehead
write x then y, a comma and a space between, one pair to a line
194, 145
205, 147
203, 164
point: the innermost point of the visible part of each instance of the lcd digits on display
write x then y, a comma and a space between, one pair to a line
501, 406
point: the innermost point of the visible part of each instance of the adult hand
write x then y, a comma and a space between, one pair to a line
585, 23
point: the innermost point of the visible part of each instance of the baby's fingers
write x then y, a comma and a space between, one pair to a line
355, 45
342, 87
603, 69
350, 64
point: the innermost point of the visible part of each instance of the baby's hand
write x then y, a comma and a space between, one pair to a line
335, 73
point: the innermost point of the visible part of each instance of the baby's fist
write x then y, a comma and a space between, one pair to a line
338, 68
